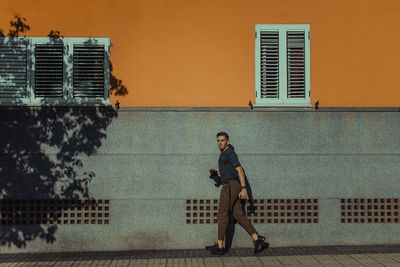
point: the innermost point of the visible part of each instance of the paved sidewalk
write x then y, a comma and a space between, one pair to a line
379, 255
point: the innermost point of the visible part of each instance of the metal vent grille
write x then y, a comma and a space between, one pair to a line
370, 210
295, 64
88, 71
13, 71
54, 211
269, 64
284, 211
49, 70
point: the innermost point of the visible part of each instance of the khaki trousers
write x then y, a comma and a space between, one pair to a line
229, 203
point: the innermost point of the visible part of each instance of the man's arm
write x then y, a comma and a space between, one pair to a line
241, 176
243, 192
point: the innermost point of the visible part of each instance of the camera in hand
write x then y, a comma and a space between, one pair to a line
215, 177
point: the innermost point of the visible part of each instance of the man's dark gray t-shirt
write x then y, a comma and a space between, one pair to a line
228, 161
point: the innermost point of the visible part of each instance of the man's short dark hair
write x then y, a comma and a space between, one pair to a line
223, 134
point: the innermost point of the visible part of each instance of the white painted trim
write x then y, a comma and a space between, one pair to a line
283, 100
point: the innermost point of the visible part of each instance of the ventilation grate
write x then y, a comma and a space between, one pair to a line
13, 71
269, 64
295, 64
370, 210
88, 71
49, 70
54, 211
283, 211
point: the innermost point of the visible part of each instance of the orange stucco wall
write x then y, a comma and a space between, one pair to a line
201, 52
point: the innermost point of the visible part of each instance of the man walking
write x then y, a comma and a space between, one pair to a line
234, 187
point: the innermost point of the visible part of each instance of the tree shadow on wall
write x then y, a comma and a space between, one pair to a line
41, 158
42, 150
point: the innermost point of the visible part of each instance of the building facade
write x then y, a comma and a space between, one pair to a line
306, 90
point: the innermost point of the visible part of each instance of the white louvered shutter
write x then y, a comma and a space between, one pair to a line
295, 64
49, 69
269, 67
13, 70
89, 70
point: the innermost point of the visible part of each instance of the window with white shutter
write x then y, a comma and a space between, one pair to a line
54, 71
282, 65
13, 68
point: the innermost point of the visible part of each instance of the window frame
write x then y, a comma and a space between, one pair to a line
283, 100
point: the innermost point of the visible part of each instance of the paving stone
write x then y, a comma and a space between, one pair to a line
272, 264
232, 261
78, 263
327, 260
383, 259
41, 263
270, 261
254, 262
345, 260
364, 259
211, 262
288, 260
138, 262
120, 263
393, 256
307, 260
196, 262
64, 263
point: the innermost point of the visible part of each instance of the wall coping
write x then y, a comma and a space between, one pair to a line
219, 109
265, 109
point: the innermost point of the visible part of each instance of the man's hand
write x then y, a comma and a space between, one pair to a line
243, 194
210, 170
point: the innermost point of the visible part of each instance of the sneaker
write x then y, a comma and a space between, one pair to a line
212, 248
219, 251
260, 244
265, 245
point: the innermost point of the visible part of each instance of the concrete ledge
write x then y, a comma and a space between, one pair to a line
213, 109
263, 109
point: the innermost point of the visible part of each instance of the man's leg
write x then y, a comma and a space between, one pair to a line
230, 232
240, 216
223, 214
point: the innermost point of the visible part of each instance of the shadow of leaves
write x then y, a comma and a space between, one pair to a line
41, 150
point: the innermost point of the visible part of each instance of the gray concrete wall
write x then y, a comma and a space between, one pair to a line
150, 162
